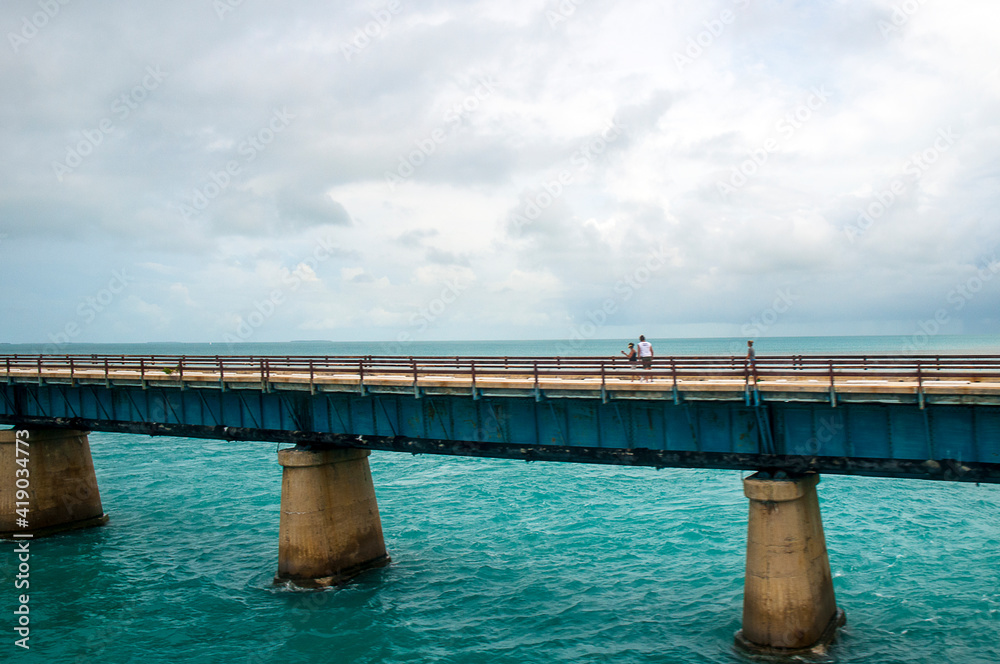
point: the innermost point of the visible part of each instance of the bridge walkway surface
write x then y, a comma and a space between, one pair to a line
888, 374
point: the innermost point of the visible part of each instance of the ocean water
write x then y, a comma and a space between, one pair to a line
493, 561
871, 345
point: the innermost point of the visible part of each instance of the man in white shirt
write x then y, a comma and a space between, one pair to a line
645, 354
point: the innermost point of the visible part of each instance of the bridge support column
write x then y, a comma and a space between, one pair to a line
788, 601
330, 527
61, 486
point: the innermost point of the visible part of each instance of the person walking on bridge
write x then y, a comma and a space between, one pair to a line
645, 355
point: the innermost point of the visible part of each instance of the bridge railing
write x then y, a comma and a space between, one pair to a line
831, 370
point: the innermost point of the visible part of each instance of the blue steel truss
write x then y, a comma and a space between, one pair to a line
890, 439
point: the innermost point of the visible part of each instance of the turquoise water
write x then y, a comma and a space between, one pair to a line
493, 561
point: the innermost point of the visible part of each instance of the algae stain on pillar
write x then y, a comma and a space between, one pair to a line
789, 606
330, 527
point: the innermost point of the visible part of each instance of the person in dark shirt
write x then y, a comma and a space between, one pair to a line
633, 357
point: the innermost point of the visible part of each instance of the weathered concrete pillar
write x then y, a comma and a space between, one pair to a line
788, 601
330, 527
61, 486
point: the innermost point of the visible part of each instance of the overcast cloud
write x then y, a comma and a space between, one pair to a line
208, 170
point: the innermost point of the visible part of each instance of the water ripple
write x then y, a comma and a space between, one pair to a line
496, 561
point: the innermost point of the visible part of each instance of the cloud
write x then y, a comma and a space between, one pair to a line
539, 154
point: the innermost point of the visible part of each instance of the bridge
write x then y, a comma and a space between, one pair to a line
789, 418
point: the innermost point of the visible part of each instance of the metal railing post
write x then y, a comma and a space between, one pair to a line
920, 387
416, 386
833, 389
673, 372
538, 392
472, 367
604, 390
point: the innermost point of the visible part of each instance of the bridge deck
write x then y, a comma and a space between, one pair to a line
640, 382
944, 379
936, 417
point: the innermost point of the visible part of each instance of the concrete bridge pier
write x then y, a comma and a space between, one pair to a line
788, 602
50, 477
330, 527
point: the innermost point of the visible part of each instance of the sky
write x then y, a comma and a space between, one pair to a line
235, 170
